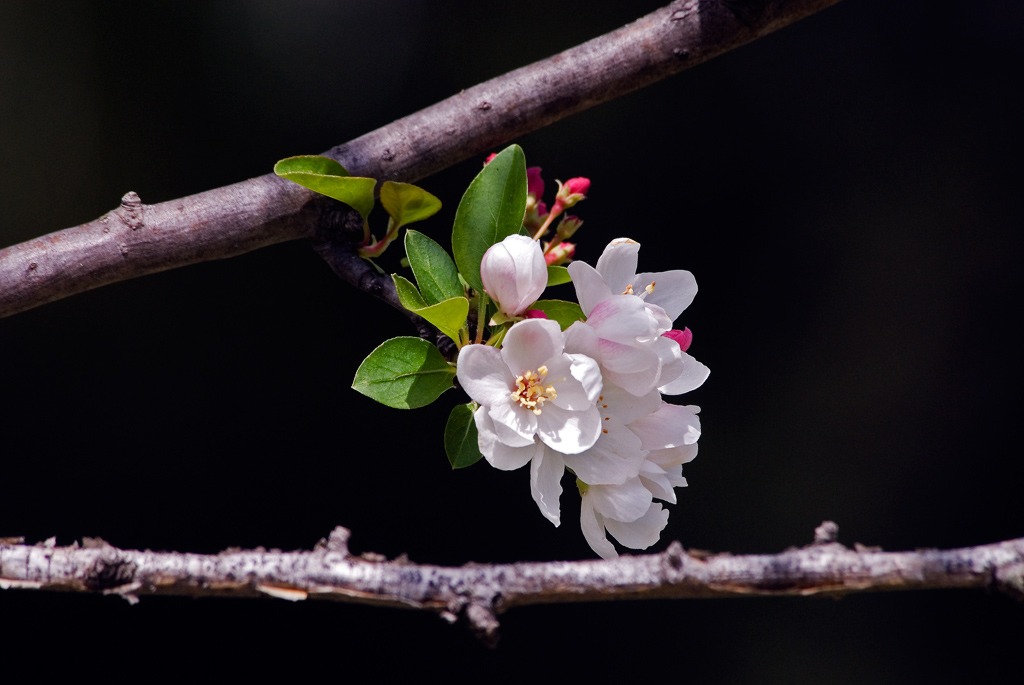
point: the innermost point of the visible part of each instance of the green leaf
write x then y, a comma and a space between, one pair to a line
407, 203
565, 313
434, 270
404, 373
448, 315
327, 177
408, 295
460, 438
491, 210
557, 275
310, 164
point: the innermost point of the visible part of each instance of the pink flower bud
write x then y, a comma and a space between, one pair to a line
534, 183
535, 314
514, 274
560, 254
569, 193
683, 337
570, 224
490, 157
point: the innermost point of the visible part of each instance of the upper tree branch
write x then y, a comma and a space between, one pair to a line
478, 592
137, 239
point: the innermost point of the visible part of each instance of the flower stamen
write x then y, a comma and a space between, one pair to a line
531, 392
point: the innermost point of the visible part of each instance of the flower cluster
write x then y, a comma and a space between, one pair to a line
589, 399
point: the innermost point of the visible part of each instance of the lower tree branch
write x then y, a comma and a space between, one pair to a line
137, 239
477, 593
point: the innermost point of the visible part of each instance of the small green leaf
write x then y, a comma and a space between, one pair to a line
408, 295
434, 270
565, 313
310, 164
449, 316
460, 437
407, 203
557, 275
404, 373
491, 210
327, 177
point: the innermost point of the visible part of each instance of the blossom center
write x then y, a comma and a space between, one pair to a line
531, 392
647, 291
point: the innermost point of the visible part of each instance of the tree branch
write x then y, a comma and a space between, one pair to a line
137, 239
477, 593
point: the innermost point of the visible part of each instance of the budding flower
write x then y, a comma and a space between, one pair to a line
569, 225
514, 274
570, 192
560, 254
490, 157
534, 183
683, 337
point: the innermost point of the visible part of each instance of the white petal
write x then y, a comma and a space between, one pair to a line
692, 376
498, 454
530, 343
625, 405
658, 481
570, 393
673, 456
643, 532
615, 457
626, 502
514, 426
590, 287
670, 426
673, 290
588, 373
617, 264
484, 375
592, 525
514, 273
546, 482
568, 432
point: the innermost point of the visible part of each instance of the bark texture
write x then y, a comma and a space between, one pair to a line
477, 593
137, 239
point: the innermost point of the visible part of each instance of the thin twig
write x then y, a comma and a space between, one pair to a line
137, 239
479, 592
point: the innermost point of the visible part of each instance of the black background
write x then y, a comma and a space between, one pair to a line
846, 193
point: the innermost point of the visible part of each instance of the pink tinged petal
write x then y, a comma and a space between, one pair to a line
615, 458
546, 483
673, 456
634, 369
673, 290
514, 426
692, 376
621, 318
626, 502
590, 287
643, 532
658, 482
626, 406
581, 339
530, 343
670, 426
617, 264
484, 375
568, 432
671, 357
592, 525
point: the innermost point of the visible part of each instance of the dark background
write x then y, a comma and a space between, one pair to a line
846, 192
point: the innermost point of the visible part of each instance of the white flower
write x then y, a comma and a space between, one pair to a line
605, 293
627, 510
529, 389
514, 274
